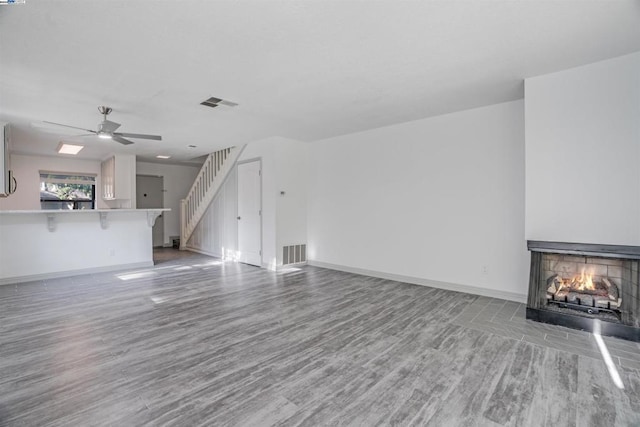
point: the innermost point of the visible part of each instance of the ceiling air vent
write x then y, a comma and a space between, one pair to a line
214, 102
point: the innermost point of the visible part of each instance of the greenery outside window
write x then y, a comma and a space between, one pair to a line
66, 191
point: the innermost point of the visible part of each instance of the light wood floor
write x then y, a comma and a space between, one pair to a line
195, 341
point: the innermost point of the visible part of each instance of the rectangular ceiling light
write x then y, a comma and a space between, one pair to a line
65, 148
163, 157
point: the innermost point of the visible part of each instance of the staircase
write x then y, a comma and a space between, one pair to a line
209, 180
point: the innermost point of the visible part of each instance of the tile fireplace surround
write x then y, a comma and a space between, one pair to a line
586, 286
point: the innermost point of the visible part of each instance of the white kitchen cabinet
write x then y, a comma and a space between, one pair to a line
118, 179
7, 181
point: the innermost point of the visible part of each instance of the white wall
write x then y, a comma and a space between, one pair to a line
583, 154
439, 199
27, 169
292, 161
177, 180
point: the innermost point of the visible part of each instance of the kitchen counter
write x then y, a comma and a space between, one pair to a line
42, 244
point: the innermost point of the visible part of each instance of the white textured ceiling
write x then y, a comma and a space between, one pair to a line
299, 69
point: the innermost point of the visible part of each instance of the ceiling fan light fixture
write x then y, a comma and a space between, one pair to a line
104, 135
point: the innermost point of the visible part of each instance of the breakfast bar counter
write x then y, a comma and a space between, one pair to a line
41, 244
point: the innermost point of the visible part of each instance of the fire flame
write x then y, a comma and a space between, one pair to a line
583, 281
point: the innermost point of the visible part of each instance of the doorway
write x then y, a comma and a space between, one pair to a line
150, 195
250, 212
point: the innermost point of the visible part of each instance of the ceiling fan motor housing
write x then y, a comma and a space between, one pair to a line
107, 126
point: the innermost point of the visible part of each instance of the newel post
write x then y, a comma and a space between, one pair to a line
183, 223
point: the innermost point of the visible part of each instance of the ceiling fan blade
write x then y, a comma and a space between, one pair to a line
139, 135
121, 140
67, 126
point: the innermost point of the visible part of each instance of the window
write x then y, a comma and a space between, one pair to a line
62, 191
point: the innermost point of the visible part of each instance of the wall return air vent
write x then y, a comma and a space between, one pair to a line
294, 254
214, 102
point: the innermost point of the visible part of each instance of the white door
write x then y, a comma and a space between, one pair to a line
149, 195
249, 214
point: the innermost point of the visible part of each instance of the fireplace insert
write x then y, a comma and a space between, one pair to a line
586, 286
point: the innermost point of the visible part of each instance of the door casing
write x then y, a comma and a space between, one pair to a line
150, 194
238, 166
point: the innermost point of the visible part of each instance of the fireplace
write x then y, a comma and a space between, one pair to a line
586, 286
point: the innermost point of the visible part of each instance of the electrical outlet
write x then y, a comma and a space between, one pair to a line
485, 269
112, 252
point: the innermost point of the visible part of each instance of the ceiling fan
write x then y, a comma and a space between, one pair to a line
106, 129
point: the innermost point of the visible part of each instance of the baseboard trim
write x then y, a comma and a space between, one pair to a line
289, 266
474, 290
69, 273
201, 251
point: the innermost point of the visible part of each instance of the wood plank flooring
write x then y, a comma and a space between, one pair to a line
197, 341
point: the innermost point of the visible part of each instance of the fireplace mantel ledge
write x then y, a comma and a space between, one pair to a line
585, 249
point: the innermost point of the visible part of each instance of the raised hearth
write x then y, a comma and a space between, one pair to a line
586, 286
